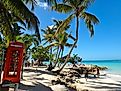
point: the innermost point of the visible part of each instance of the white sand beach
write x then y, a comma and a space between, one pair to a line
39, 79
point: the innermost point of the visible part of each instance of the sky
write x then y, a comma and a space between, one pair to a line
106, 43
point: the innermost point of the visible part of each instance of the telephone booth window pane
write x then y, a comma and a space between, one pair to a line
14, 62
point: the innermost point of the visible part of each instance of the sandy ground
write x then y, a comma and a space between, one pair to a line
39, 79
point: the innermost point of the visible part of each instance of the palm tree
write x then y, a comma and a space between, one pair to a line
14, 33
60, 41
48, 38
16, 11
75, 59
48, 35
77, 8
28, 41
11, 12
40, 54
8, 24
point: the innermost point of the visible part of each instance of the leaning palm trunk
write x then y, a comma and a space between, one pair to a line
57, 56
67, 58
51, 51
58, 51
51, 66
59, 65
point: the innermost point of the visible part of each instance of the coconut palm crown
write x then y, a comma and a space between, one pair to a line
77, 9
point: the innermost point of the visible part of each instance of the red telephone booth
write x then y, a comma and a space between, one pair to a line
13, 62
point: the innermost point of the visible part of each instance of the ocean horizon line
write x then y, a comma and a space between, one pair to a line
97, 60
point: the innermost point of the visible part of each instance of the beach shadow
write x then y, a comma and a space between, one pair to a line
105, 87
33, 75
40, 78
119, 81
25, 87
36, 87
91, 77
37, 79
110, 85
39, 71
106, 83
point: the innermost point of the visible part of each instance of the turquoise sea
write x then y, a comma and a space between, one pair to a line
114, 66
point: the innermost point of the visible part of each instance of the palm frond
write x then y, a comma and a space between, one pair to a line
90, 20
69, 45
70, 36
19, 9
86, 3
43, 31
33, 3
62, 8
51, 2
45, 42
80, 10
52, 44
91, 17
18, 19
64, 24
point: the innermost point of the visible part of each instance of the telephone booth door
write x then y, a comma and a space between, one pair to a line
13, 62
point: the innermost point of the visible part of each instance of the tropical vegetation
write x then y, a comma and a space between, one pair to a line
17, 16
77, 9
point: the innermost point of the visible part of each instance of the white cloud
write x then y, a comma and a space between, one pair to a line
42, 4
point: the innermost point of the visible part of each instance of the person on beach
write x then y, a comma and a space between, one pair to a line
86, 74
98, 72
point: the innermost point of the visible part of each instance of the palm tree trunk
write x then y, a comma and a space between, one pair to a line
58, 54
67, 58
62, 52
61, 56
51, 66
51, 51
